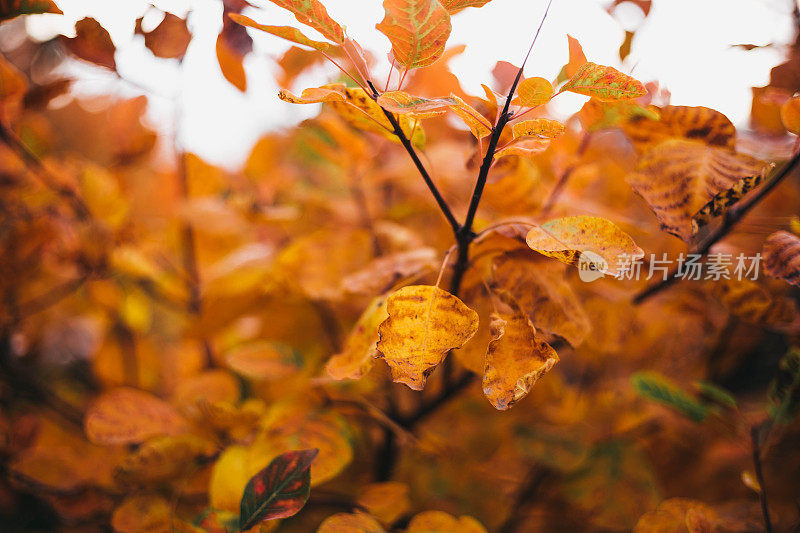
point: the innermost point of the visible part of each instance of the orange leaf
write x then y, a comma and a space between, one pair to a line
418, 30
169, 39
313, 14
533, 92
455, 6
604, 83
538, 127
790, 115
285, 32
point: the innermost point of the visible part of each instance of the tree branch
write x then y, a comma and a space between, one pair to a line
729, 220
404, 140
10, 139
755, 432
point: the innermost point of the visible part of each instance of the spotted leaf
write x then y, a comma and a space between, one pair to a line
604, 83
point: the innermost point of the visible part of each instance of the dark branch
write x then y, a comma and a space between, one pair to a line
755, 435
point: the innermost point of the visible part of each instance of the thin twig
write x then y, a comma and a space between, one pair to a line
755, 432
729, 220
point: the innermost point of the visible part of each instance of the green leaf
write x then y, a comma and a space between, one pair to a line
784, 393
716, 394
14, 8
278, 491
656, 387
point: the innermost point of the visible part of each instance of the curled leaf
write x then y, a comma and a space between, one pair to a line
169, 40
417, 29
424, 324
456, 6
516, 358
687, 183
477, 123
315, 95
604, 83
278, 491
92, 43
285, 32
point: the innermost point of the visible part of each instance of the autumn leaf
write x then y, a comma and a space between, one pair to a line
790, 115
679, 514
285, 32
350, 523
356, 358
782, 256
264, 361
278, 491
130, 416
169, 40
604, 83
401, 102
576, 60
543, 294
441, 522
598, 115
477, 123
313, 14
524, 147
387, 501
142, 513
659, 124
424, 324
538, 127
656, 387
384, 272
688, 183
456, 6
92, 43
14, 8
315, 95
516, 358
584, 239
417, 29
533, 92
233, 44
162, 459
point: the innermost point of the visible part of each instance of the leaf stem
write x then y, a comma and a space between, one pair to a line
729, 220
755, 434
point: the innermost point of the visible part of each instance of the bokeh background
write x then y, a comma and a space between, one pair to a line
705, 52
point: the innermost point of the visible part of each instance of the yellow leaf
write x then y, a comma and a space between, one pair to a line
424, 324
538, 127
455, 6
441, 522
417, 29
163, 459
533, 92
313, 14
362, 112
356, 359
229, 476
130, 416
517, 357
687, 183
543, 294
142, 513
387, 501
401, 102
782, 256
604, 83
285, 32
316, 95
585, 242
350, 523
